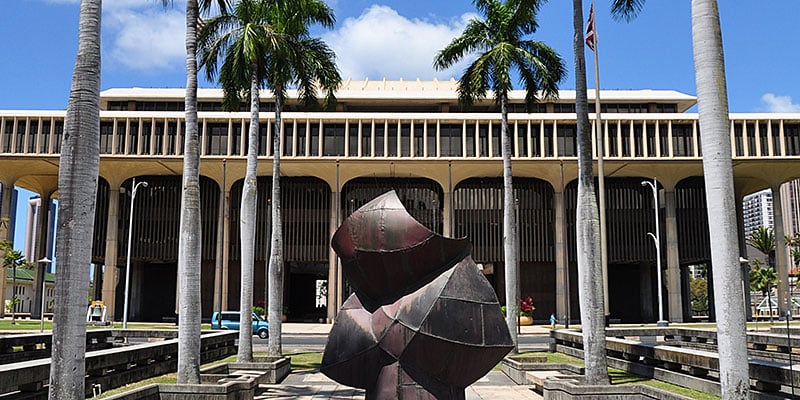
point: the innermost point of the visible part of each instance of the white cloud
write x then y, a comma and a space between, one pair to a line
142, 35
148, 39
381, 43
774, 103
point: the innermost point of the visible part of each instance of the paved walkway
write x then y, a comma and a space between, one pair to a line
312, 385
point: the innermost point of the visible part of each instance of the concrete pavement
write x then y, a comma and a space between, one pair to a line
312, 385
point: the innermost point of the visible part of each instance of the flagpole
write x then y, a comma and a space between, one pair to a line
601, 186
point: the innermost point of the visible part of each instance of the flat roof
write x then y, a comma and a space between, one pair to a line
433, 90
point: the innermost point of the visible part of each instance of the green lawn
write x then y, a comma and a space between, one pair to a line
33, 325
300, 361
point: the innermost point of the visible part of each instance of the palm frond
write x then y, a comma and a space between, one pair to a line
626, 10
472, 40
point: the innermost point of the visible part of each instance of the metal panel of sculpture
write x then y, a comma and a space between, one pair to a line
423, 322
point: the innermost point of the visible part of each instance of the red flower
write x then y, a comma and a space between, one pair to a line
526, 306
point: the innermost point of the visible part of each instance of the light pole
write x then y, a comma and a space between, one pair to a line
44, 261
128, 262
657, 240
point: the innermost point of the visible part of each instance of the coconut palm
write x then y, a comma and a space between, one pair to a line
11, 259
500, 41
189, 249
77, 188
712, 106
793, 242
295, 59
590, 270
762, 279
241, 41
763, 240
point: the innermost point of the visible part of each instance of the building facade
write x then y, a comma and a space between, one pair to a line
757, 211
445, 164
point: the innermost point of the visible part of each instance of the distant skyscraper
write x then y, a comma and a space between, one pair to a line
32, 233
790, 194
757, 211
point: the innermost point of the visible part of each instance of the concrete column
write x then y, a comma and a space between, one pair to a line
5, 209
5, 234
781, 264
219, 252
111, 272
226, 245
743, 254
97, 282
562, 269
447, 214
334, 282
647, 281
41, 252
673, 276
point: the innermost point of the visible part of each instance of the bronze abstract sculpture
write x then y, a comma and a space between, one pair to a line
423, 322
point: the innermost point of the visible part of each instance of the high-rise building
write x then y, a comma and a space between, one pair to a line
757, 211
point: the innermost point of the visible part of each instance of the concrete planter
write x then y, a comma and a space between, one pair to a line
265, 369
560, 388
228, 381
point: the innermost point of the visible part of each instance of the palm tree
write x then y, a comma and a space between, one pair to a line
590, 269
189, 249
763, 240
241, 40
712, 105
12, 259
77, 189
295, 59
762, 279
502, 48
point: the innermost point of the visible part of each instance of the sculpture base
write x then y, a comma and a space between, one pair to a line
395, 384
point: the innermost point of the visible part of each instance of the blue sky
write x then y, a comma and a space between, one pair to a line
143, 46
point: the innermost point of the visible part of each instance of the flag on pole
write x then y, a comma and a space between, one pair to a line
590, 36
200, 23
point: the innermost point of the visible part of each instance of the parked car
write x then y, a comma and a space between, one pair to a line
230, 320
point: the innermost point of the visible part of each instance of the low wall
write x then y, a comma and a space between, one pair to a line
696, 369
228, 381
116, 367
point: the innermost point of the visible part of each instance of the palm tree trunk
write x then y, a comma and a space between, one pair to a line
247, 224
189, 251
769, 302
590, 272
276, 248
712, 103
509, 229
77, 182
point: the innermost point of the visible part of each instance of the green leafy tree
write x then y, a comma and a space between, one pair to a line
713, 116
502, 45
762, 279
698, 288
